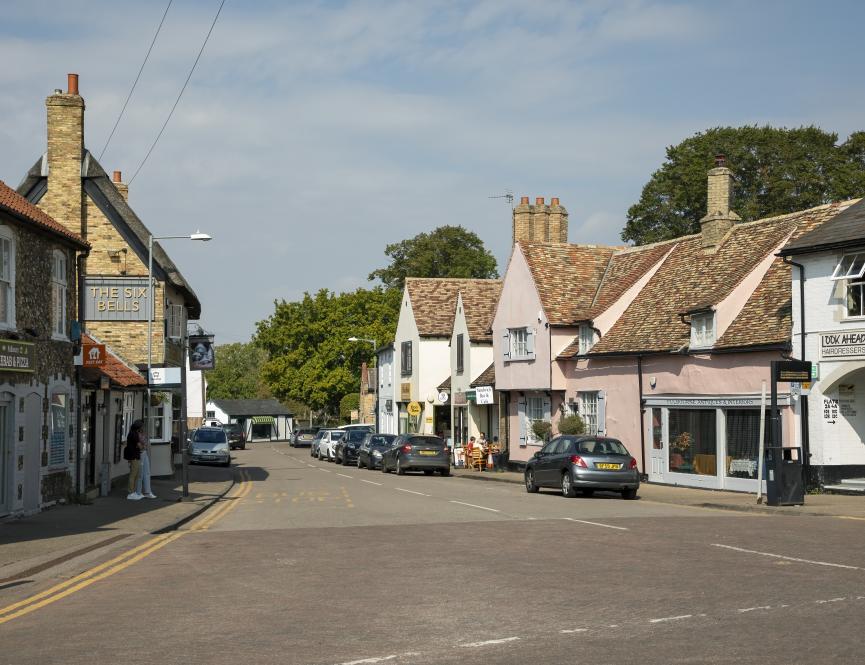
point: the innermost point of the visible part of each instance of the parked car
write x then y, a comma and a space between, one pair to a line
417, 452
313, 446
372, 448
584, 463
236, 435
346, 449
358, 426
209, 445
327, 442
303, 436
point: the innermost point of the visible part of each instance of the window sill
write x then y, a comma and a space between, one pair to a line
521, 359
59, 338
852, 319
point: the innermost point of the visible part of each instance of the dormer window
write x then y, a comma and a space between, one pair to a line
587, 338
702, 330
851, 266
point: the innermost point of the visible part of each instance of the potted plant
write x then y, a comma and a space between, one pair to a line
542, 429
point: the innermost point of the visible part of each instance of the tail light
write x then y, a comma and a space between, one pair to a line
633, 464
576, 460
406, 448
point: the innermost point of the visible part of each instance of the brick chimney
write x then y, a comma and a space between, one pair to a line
540, 222
719, 218
65, 195
122, 187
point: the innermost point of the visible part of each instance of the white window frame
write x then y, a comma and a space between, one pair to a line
850, 266
534, 411
64, 432
587, 404
702, 330
59, 294
860, 285
519, 344
7, 277
587, 338
163, 412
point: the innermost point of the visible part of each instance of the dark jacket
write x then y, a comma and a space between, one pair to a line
131, 451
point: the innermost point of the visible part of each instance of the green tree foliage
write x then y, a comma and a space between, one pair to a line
542, 429
347, 404
448, 251
311, 359
237, 374
777, 171
572, 424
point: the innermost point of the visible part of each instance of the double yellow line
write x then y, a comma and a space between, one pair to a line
120, 562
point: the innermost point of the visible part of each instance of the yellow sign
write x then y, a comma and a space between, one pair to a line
414, 409
429, 421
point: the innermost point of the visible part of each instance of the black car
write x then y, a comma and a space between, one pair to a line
236, 435
371, 450
303, 436
417, 452
346, 449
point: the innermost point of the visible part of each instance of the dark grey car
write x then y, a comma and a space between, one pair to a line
347, 448
585, 463
372, 449
417, 452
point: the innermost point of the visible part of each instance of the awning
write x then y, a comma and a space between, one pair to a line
262, 420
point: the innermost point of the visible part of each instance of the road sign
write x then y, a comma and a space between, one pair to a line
791, 370
414, 409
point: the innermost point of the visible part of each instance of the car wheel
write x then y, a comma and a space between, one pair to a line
530, 482
345, 461
588, 493
568, 486
383, 466
400, 471
446, 472
630, 494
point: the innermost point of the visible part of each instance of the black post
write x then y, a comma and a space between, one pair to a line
184, 459
774, 411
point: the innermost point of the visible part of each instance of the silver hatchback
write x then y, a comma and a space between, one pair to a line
209, 445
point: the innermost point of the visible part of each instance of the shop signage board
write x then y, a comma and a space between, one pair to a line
792, 370
405, 392
201, 353
165, 376
443, 397
847, 345
460, 399
93, 355
484, 395
414, 409
16, 356
116, 298
830, 411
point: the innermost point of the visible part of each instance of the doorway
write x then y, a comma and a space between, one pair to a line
32, 457
7, 449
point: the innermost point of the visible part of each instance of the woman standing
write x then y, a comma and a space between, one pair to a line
143, 485
132, 454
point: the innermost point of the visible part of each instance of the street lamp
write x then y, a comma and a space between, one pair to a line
374, 347
198, 235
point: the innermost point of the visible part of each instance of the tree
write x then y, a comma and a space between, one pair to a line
237, 374
347, 404
448, 251
777, 171
311, 359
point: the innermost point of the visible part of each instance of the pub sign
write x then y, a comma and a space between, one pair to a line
16, 356
116, 298
201, 352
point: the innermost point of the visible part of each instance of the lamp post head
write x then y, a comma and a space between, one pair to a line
198, 235
353, 339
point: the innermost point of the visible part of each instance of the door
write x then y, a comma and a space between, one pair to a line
545, 464
32, 450
7, 448
657, 450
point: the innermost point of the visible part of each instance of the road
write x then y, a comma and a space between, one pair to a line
311, 563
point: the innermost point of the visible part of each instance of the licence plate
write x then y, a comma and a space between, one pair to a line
608, 466
428, 452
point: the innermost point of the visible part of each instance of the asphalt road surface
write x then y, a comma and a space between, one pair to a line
312, 563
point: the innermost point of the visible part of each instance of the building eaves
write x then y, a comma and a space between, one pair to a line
252, 407
12, 203
847, 228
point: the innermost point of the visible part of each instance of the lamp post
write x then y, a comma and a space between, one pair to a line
198, 235
374, 347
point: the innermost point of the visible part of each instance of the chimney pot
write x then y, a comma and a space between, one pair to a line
554, 201
58, 91
524, 200
118, 176
720, 159
73, 84
539, 200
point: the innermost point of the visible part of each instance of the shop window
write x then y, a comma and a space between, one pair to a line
59, 418
460, 353
693, 441
405, 358
743, 441
7, 278
59, 293
702, 330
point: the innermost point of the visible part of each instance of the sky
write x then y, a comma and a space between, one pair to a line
312, 134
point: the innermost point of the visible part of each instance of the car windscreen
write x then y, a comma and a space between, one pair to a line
356, 436
601, 447
382, 439
233, 427
209, 436
319, 434
336, 435
426, 441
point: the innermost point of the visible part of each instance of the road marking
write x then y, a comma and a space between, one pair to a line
676, 618
400, 489
380, 659
485, 643
830, 600
788, 558
754, 609
608, 526
344, 476
311, 466
325, 470
471, 505
370, 482
850, 517
570, 631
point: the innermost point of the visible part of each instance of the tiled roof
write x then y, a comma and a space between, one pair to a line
445, 385
767, 316
252, 407
12, 202
486, 378
480, 299
434, 301
114, 368
846, 227
566, 277
625, 269
691, 279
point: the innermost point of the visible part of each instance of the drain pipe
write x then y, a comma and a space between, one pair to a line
642, 416
806, 442
81, 261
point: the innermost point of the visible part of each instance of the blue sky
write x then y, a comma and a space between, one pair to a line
312, 134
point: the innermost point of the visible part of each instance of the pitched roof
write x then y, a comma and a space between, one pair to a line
480, 298
434, 301
15, 204
99, 187
114, 367
444, 385
691, 279
486, 378
252, 407
846, 228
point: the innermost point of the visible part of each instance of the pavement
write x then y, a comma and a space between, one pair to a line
55, 536
818, 505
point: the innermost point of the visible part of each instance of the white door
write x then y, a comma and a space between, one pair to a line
656, 442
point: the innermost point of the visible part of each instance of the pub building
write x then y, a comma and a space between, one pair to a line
829, 278
37, 379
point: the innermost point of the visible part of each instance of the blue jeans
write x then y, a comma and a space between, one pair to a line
143, 484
